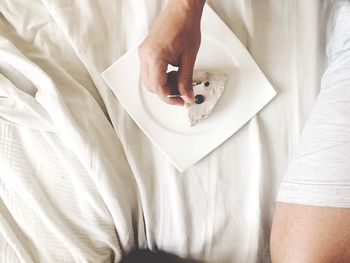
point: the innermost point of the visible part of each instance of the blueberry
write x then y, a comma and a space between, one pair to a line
199, 99
206, 84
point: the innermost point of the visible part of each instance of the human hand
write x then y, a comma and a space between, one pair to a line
174, 39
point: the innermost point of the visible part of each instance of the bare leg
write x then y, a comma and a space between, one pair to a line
307, 234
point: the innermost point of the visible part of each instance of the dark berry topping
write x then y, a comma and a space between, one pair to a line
199, 99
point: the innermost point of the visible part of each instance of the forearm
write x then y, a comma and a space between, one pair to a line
174, 39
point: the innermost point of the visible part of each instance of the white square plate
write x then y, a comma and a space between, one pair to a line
247, 91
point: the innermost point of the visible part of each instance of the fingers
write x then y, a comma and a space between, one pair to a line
158, 79
144, 76
185, 76
155, 78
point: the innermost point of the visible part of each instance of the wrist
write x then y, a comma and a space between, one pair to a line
192, 8
189, 5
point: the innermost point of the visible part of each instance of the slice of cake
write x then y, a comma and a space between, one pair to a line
207, 88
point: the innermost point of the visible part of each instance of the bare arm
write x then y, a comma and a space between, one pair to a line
174, 39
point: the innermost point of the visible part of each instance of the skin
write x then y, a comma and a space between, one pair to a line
300, 233
310, 234
174, 39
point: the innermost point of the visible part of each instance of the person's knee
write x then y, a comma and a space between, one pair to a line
310, 234
282, 253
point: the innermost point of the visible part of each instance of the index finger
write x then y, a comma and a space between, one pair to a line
158, 79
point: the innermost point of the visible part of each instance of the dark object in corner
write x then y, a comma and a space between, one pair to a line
147, 256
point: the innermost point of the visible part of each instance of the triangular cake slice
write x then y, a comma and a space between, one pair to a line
207, 89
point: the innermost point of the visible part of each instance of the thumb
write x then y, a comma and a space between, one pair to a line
185, 76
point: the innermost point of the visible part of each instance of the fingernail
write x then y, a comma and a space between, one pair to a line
190, 96
188, 100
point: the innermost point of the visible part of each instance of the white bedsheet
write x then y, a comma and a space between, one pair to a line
79, 181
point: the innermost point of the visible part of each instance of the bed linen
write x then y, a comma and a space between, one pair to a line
80, 182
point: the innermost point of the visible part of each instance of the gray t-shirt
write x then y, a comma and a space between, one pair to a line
320, 172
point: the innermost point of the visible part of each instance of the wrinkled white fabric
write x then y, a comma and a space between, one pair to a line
80, 182
319, 173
